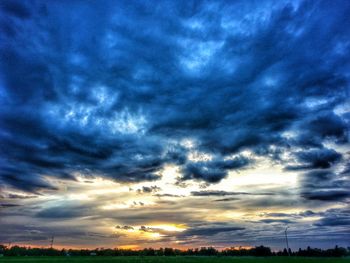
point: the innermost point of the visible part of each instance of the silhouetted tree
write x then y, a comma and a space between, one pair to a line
203, 251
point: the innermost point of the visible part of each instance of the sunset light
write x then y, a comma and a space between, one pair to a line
168, 128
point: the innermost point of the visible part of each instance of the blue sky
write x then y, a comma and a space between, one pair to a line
174, 123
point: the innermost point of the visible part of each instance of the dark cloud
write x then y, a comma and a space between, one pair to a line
215, 193
199, 172
334, 217
192, 231
15, 8
327, 195
334, 221
224, 193
227, 199
324, 185
316, 159
125, 227
167, 195
65, 212
276, 214
283, 221
329, 125
307, 213
213, 171
147, 229
149, 189
9, 205
208, 231
115, 94
17, 196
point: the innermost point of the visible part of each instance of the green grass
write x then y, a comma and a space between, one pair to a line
172, 259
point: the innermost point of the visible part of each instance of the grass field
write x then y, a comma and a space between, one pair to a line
172, 259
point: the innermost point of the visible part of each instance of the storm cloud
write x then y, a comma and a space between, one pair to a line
121, 91
228, 83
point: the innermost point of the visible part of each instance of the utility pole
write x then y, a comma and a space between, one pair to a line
52, 239
285, 233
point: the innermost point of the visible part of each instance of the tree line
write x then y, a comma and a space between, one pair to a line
259, 251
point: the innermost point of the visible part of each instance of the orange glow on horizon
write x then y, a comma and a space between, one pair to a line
127, 247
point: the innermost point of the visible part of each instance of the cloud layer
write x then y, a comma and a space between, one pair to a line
121, 91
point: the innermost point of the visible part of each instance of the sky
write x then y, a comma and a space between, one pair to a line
180, 124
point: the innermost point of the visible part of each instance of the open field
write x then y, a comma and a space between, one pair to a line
173, 259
